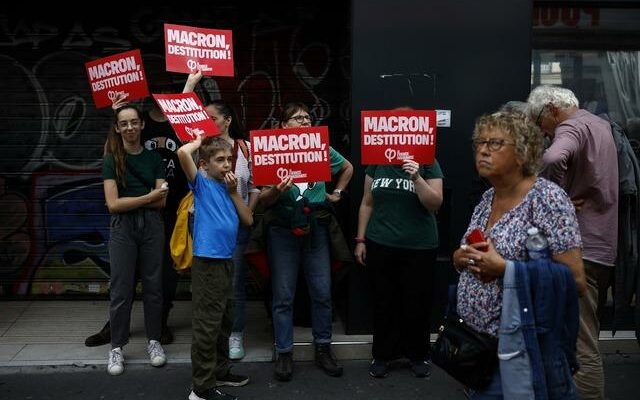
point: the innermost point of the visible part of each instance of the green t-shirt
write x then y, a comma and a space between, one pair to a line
398, 218
147, 164
314, 192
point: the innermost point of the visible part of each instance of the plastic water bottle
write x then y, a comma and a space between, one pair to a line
537, 245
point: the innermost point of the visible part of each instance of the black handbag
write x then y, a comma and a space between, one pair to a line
468, 356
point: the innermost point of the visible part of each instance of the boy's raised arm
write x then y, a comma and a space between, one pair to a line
186, 161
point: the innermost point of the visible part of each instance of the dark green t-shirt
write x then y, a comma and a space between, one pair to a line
314, 192
398, 218
147, 164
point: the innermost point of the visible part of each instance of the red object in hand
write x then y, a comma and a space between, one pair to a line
477, 236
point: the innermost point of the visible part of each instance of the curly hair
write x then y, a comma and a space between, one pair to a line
527, 137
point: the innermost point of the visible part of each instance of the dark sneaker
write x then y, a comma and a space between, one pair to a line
211, 394
284, 367
101, 338
326, 360
421, 369
232, 380
378, 369
166, 337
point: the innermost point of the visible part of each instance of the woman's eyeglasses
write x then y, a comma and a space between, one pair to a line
301, 118
492, 144
124, 124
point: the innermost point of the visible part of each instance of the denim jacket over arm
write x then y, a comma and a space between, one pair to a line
548, 301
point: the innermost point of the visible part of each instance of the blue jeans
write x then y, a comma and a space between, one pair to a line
240, 279
515, 365
287, 254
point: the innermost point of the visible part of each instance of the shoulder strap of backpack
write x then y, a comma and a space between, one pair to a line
243, 147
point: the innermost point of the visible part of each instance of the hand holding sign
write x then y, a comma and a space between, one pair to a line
119, 101
192, 81
412, 168
285, 184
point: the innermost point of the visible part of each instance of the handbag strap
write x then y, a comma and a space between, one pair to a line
139, 176
452, 304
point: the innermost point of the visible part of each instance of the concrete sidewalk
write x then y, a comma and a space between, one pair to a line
39, 333
36, 333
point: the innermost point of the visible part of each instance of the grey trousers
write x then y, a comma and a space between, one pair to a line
137, 241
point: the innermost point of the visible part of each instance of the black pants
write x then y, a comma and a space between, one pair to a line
402, 282
169, 275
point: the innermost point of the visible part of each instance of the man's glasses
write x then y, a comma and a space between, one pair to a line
492, 144
301, 118
124, 124
540, 115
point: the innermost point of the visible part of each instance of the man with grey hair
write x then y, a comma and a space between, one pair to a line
582, 159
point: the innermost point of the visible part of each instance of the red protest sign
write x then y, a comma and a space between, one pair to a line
119, 74
391, 136
189, 49
186, 115
301, 153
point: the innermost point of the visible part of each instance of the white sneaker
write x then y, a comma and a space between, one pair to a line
236, 349
115, 363
156, 353
194, 396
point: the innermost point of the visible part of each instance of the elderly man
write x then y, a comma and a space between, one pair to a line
582, 159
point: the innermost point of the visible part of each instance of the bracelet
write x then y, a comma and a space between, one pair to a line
359, 239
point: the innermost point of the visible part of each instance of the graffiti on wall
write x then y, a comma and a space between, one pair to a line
53, 220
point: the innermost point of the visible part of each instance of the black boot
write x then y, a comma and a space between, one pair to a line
284, 366
326, 360
100, 338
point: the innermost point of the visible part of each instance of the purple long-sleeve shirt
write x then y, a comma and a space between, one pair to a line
583, 160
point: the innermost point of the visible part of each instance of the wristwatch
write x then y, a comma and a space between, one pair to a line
338, 192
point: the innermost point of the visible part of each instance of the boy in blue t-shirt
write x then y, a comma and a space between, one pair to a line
218, 209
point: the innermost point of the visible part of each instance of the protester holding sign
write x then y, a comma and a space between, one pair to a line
219, 210
298, 238
158, 136
135, 192
398, 240
232, 132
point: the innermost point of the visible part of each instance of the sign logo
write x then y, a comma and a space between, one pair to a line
112, 95
390, 154
282, 173
193, 66
193, 132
